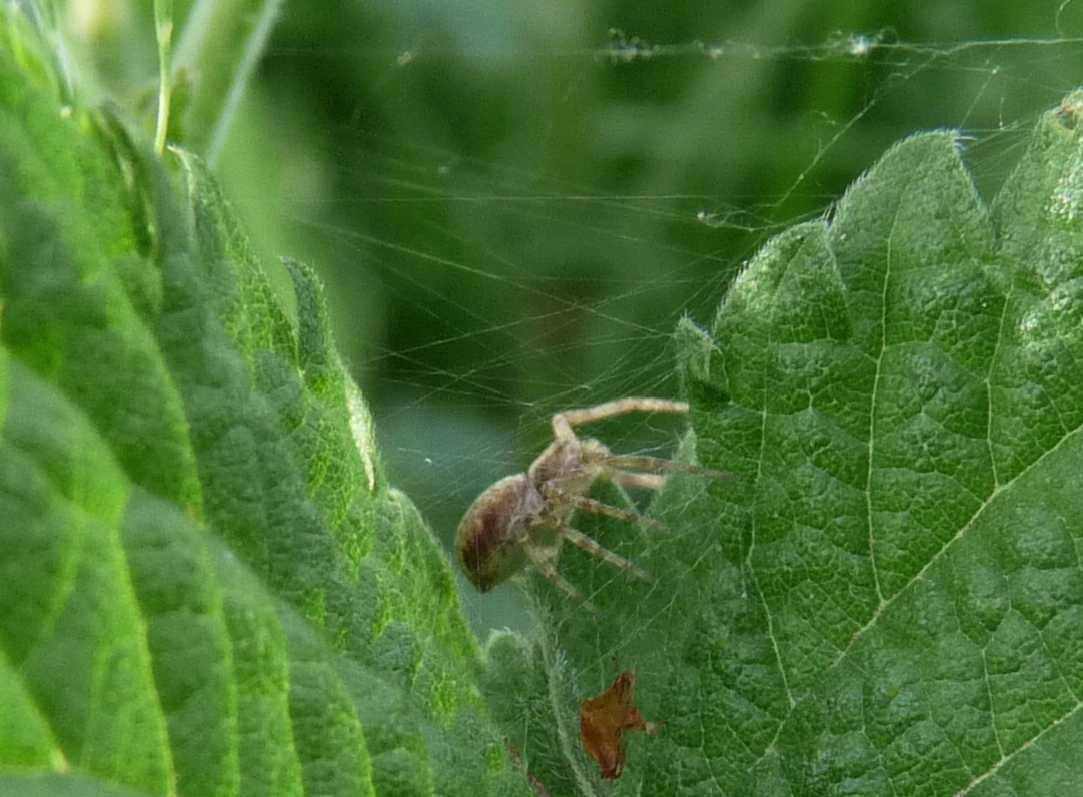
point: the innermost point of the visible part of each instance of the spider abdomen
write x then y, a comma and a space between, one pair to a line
490, 537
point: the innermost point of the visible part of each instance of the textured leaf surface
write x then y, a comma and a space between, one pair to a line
889, 598
207, 586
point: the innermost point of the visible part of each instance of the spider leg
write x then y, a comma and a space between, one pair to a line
646, 481
656, 463
546, 567
581, 540
599, 508
564, 421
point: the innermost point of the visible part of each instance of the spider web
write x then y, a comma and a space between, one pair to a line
515, 212
529, 244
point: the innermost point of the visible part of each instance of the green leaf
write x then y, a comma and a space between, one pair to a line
208, 587
888, 597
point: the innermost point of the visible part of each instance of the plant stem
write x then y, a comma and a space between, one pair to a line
163, 23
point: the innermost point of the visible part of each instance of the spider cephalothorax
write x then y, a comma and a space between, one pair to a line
523, 519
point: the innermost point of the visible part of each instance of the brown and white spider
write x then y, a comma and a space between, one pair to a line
524, 519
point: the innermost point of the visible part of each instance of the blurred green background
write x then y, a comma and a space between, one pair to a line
513, 203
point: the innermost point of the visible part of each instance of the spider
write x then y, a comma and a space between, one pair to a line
524, 519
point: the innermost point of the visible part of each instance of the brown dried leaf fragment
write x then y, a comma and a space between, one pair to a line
604, 719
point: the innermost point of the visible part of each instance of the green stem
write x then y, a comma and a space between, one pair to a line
163, 23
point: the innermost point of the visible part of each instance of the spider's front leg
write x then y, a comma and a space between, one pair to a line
563, 422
